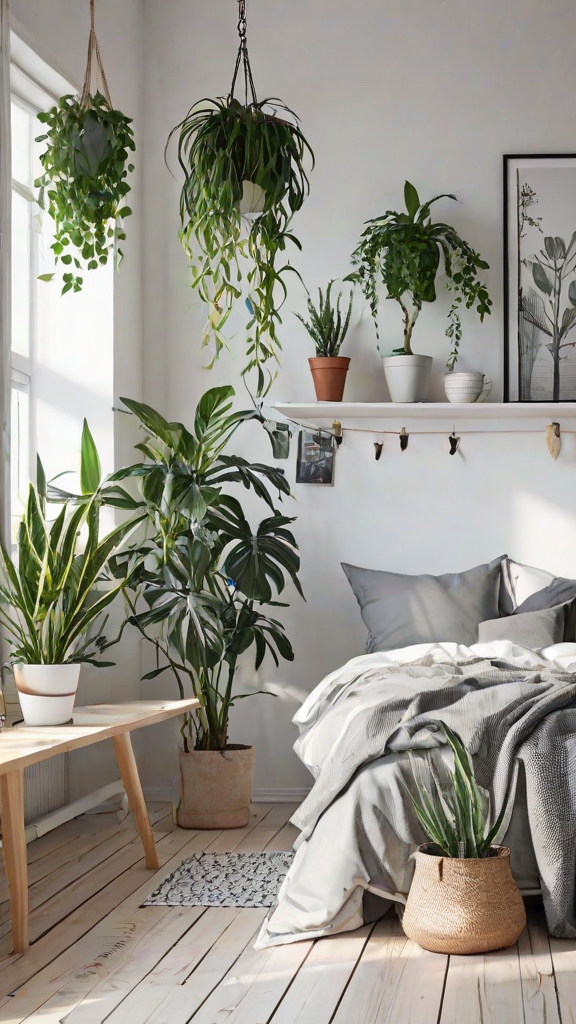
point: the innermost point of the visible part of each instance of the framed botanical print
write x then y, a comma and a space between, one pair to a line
540, 278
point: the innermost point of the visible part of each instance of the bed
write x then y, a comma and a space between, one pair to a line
369, 725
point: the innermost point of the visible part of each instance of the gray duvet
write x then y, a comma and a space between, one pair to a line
365, 728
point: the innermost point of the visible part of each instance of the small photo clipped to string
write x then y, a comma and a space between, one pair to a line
315, 460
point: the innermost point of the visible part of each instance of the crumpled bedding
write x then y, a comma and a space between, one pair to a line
359, 729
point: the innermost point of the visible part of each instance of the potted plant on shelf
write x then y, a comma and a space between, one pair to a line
85, 166
244, 178
404, 251
201, 586
328, 329
463, 898
50, 602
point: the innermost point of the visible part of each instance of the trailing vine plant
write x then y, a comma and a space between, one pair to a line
244, 178
85, 166
403, 251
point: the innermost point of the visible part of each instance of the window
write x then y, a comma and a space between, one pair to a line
62, 345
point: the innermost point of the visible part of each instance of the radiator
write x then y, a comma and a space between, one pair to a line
46, 787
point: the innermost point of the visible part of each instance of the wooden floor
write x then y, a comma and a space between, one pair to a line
97, 955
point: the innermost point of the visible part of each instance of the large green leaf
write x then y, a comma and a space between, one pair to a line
90, 469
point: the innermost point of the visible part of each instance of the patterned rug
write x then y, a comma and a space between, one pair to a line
224, 880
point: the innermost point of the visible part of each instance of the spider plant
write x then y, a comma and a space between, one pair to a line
457, 820
50, 607
326, 325
225, 148
403, 251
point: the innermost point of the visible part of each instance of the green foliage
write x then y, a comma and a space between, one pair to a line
50, 606
404, 250
555, 264
84, 185
325, 325
201, 572
221, 144
457, 821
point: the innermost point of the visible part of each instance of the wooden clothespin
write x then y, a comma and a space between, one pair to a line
453, 441
403, 439
553, 439
337, 432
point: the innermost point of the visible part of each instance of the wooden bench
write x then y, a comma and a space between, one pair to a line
24, 745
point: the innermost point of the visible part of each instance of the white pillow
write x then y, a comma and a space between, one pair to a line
519, 582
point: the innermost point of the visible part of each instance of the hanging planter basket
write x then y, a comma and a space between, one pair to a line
245, 176
84, 186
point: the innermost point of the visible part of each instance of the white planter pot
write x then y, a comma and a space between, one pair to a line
467, 387
253, 199
47, 692
407, 377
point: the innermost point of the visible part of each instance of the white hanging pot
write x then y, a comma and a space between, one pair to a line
47, 692
253, 199
407, 377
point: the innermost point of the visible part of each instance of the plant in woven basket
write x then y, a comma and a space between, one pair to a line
244, 178
204, 578
83, 186
326, 324
403, 251
457, 818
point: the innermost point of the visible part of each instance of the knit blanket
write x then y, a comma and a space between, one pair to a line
365, 728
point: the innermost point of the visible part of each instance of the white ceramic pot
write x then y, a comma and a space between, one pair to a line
253, 199
47, 692
467, 387
407, 377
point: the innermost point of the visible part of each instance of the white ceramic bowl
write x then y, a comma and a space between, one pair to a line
46, 710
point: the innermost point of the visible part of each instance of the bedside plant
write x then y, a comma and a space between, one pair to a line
328, 327
244, 178
463, 898
404, 251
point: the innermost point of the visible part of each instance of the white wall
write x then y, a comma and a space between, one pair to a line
58, 31
431, 92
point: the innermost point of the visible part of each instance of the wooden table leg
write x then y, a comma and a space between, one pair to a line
14, 847
130, 778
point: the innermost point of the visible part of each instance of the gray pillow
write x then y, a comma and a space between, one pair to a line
401, 610
527, 629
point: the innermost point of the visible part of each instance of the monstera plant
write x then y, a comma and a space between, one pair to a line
202, 586
245, 176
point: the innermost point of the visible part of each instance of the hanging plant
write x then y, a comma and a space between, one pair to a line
84, 185
244, 178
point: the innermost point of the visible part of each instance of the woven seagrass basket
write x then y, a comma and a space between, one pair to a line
463, 906
215, 788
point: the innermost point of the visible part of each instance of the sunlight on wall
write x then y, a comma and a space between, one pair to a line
545, 532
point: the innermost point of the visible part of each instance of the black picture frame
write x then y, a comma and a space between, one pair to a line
518, 371
315, 459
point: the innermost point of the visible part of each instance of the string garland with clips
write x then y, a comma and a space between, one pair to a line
552, 435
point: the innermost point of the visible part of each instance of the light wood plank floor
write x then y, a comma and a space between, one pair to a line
98, 955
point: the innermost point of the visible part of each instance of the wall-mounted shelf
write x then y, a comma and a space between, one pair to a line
433, 416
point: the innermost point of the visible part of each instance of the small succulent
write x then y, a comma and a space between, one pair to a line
326, 326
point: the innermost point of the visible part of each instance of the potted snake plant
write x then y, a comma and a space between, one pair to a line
51, 601
463, 898
404, 252
328, 327
202, 587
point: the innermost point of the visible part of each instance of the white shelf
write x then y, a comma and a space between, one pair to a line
483, 416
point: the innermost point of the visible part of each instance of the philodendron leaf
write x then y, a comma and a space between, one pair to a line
541, 279
90, 470
412, 199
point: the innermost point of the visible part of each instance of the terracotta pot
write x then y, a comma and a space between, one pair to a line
329, 376
463, 906
215, 788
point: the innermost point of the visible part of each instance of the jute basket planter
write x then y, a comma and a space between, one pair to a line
463, 906
215, 787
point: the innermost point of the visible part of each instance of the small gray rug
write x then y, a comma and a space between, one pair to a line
224, 880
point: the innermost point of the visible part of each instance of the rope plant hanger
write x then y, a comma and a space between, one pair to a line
83, 186
244, 178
